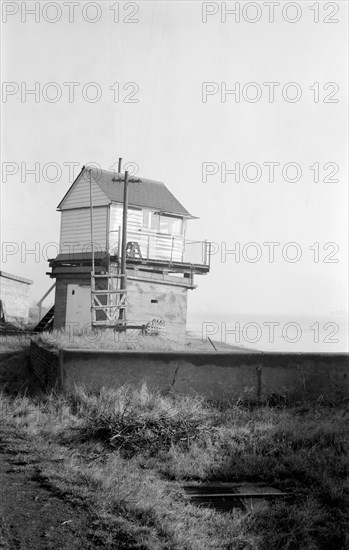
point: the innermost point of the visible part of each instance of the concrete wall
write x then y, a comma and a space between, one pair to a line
218, 376
146, 300
155, 300
45, 364
14, 292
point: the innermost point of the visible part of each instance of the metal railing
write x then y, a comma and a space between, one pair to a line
169, 248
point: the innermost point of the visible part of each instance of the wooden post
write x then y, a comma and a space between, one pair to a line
124, 234
172, 249
119, 243
205, 252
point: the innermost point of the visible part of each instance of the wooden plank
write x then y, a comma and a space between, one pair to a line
108, 307
109, 275
109, 292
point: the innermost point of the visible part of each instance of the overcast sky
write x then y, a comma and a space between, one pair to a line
173, 130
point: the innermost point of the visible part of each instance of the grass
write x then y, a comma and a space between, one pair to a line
108, 340
126, 453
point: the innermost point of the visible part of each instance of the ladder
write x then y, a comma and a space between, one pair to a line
108, 300
109, 290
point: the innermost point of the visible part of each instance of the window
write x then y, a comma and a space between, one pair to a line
151, 220
170, 225
161, 223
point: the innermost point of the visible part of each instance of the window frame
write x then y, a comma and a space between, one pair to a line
148, 227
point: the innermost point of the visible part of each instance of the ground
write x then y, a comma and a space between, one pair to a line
31, 515
106, 470
35, 515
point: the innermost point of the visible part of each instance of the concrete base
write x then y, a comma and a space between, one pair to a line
217, 376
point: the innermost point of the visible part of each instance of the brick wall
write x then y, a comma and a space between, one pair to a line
45, 364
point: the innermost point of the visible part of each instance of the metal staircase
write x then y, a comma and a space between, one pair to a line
46, 323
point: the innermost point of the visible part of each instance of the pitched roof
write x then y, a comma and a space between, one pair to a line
141, 192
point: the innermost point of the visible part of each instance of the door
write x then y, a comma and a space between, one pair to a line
78, 310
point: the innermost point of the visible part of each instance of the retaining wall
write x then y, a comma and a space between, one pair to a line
45, 364
218, 376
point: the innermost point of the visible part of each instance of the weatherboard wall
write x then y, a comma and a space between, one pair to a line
75, 234
76, 230
78, 196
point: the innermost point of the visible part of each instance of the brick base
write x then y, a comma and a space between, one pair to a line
45, 364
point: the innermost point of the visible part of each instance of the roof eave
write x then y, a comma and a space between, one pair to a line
179, 214
74, 182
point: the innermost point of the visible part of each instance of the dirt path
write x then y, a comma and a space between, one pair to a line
33, 516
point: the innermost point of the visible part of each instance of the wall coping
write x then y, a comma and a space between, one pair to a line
16, 278
223, 354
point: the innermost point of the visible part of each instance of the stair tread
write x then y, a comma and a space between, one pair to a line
46, 320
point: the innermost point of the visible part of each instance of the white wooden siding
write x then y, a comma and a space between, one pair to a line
157, 246
79, 194
134, 224
76, 229
134, 218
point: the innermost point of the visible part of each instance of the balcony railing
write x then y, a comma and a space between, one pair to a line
159, 246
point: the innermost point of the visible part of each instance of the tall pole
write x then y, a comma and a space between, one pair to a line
91, 219
124, 234
119, 169
92, 252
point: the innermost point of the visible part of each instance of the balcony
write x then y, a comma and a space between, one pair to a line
172, 249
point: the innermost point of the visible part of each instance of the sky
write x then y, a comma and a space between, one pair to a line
153, 82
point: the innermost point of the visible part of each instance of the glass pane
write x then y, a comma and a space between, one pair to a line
165, 224
146, 219
154, 224
172, 226
177, 226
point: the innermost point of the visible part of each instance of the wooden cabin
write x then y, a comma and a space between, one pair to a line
161, 261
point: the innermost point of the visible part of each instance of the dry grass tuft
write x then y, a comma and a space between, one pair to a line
108, 340
135, 421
